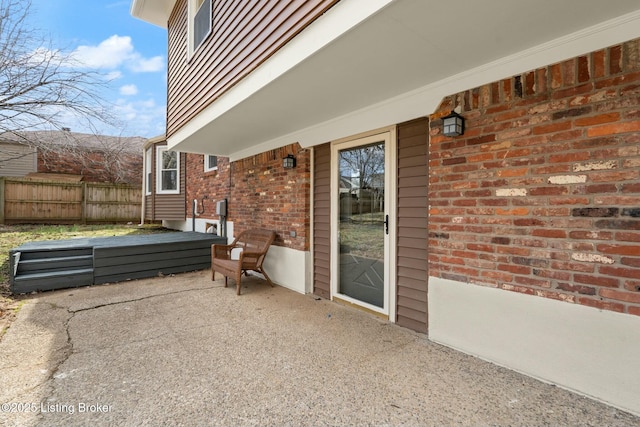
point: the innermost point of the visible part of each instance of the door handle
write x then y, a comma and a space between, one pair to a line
386, 224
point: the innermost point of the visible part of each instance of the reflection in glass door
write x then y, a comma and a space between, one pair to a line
362, 223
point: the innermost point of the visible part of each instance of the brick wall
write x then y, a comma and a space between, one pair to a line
541, 195
261, 193
94, 166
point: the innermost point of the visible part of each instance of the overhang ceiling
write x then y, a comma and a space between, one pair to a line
397, 64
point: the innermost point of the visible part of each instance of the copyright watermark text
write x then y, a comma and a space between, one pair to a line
54, 408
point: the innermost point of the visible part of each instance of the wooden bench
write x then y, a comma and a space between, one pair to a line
246, 253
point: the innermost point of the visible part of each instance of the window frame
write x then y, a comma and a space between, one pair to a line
193, 10
207, 168
159, 169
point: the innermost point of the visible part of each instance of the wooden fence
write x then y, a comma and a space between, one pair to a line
24, 200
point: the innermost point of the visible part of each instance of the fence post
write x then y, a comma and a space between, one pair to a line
1, 200
84, 202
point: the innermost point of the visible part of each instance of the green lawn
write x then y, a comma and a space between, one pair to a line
363, 235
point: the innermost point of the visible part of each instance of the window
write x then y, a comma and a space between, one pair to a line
148, 170
199, 23
210, 163
168, 171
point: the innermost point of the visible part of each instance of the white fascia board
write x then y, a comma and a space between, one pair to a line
338, 20
423, 101
155, 12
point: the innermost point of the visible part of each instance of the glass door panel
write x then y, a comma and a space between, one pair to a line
362, 223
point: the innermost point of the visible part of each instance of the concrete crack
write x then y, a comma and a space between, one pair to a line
140, 299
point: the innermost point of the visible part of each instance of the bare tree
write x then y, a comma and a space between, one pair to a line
366, 163
41, 87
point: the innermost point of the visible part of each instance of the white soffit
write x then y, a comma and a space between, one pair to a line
156, 12
369, 64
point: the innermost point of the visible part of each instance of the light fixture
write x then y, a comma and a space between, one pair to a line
453, 124
289, 162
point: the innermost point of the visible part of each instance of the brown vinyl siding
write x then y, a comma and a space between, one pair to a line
166, 206
244, 34
148, 207
322, 220
412, 216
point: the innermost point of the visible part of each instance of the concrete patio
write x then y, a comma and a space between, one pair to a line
182, 350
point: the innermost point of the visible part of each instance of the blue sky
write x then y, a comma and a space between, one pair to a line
132, 53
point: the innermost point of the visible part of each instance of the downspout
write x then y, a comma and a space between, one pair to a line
144, 186
194, 213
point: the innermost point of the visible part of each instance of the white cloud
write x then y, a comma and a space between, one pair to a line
129, 90
110, 53
114, 75
114, 52
142, 118
142, 65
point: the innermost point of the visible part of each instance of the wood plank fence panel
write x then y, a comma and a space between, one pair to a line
52, 202
105, 202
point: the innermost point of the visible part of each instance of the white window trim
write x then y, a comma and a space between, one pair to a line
206, 163
191, 15
148, 171
159, 190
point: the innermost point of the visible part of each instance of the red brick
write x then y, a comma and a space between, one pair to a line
504, 173
515, 269
548, 191
619, 249
553, 234
568, 201
632, 262
591, 235
584, 290
599, 119
515, 211
628, 237
602, 305
541, 81
631, 285
584, 72
599, 66
530, 281
569, 72
620, 295
498, 275
634, 310
620, 272
614, 129
596, 280
553, 127
615, 60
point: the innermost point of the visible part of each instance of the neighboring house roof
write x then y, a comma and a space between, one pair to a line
68, 139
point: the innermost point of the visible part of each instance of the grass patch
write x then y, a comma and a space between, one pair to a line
363, 237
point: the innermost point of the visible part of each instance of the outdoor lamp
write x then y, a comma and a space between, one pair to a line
289, 162
453, 124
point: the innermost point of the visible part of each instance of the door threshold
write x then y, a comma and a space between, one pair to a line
361, 308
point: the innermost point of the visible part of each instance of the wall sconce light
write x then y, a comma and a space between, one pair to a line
289, 162
453, 124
